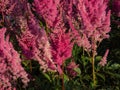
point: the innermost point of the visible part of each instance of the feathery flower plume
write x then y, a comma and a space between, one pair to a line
103, 61
6, 7
35, 44
32, 39
60, 40
13, 13
48, 10
10, 64
94, 26
94, 22
61, 47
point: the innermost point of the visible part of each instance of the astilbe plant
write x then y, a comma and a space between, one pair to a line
85, 22
94, 25
5, 9
61, 47
95, 22
32, 39
33, 48
48, 10
13, 15
34, 42
10, 64
59, 37
60, 41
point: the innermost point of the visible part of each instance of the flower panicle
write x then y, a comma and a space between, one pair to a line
10, 63
47, 9
103, 61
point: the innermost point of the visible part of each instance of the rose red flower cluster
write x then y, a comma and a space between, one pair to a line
10, 64
65, 22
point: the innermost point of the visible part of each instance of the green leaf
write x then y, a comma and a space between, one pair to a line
25, 63
77, 70
98, 58
115, 66
66, 78
101, 76
47, 76
85, 60
115, 75
87, 77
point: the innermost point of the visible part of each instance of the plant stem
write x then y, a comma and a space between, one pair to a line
63, 87
93, 69
93, 60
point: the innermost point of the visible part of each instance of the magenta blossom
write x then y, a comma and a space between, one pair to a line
34, 42
103, 61
47, 9
37, 47
60, 40
93, 25
61, 47
10, 64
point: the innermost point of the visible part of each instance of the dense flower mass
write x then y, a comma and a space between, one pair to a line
34, 42
46, 31
61, 47
6, 6
10, 64
31, 37
95, 22
60, 41
36, 47
48, 10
